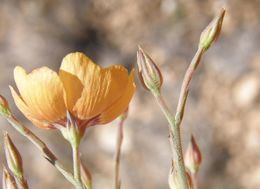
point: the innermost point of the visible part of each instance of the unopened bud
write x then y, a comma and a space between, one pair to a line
173, 181
8, 180
4, 107
13, 157
86, 177
212, 31
193, 156
149, 73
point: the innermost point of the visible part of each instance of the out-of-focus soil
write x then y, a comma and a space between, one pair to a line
223, 109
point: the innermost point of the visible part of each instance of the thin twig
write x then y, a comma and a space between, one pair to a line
119, 141
176, 146
76, 163
185, 86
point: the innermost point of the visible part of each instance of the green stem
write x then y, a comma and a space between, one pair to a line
185, 85
175, 141
76, 163
175, 122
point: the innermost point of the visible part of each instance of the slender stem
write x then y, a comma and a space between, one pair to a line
194, 181
175, 122
47, 153
76, 162
175, 141
119, 141
185, 85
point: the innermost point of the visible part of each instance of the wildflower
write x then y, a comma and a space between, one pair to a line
193, 156
149, 73
92, 94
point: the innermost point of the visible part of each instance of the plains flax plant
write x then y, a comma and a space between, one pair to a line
209, 35
81, 95
14, 162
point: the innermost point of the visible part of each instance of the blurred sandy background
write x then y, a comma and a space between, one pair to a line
223, 110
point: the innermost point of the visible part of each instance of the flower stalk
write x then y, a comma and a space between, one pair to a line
86, 177
119, 142
175, 142
72, 133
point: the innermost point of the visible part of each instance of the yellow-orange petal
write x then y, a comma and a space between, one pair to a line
117, 108
42, 93
26, 111
102, 87
72, 88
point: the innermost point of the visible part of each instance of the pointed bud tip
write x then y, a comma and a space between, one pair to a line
211, 33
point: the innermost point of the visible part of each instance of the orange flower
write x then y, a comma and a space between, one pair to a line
93, 95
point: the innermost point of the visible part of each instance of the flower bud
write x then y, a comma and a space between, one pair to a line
8, 180
212, 31
4, 107
149, 73
193, 156
13, 157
